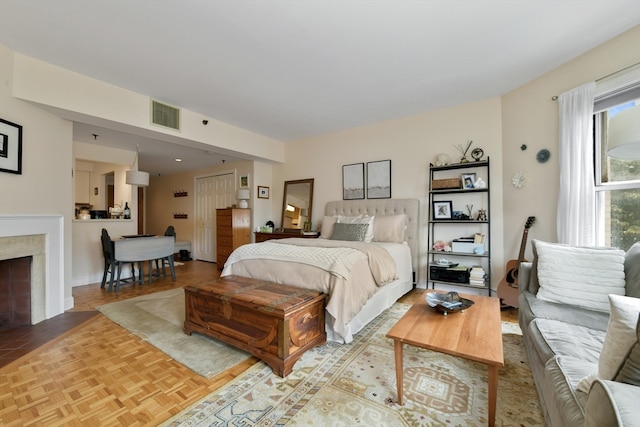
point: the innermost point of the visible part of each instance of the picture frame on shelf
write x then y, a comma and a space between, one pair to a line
442, 209
263, 192
353, 181
10, 147
468, 180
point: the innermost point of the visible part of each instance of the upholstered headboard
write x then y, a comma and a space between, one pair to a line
383, 207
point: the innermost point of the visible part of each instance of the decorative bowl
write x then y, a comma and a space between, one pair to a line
447, 303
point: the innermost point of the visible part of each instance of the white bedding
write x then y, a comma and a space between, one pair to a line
347, 296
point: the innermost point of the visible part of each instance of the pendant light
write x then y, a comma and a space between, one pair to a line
136, 177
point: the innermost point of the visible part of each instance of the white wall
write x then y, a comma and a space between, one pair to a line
45, 186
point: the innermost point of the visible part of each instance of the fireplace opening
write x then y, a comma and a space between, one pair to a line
15, 292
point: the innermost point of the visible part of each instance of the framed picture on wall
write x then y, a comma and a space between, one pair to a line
379, 179
244, 181
353, 181
263, 192
10, 147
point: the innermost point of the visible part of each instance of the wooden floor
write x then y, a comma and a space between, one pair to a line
100, 374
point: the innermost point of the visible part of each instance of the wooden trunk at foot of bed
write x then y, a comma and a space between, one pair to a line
276, 323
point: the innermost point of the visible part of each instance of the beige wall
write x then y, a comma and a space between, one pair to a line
530, 117
160, 203
45, 184
411, 143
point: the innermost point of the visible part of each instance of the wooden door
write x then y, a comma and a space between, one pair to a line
213, 192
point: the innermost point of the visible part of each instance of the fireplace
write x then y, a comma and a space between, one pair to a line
15, 292
41, 238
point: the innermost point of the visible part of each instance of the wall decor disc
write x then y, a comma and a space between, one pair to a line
543, 155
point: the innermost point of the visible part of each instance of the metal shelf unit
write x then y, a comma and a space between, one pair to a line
443, 229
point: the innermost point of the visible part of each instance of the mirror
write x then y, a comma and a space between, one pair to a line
297, 204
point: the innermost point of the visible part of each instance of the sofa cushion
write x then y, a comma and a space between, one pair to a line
630, 371
532, 308
561, 375
555, 338
632, 271
620, 337
581, 276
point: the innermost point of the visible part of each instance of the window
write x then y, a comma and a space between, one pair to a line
617, 180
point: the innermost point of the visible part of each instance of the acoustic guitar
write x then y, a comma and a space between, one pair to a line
508, 286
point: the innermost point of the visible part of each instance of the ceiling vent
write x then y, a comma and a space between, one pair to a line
165, 115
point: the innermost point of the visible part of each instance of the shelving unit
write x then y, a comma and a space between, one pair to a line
448, 229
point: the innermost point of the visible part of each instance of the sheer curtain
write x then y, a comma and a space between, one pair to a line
576, 224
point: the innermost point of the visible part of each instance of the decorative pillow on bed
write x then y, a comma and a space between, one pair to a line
390, 228
582, 276
327, 226
618, 341
368, 238
349, 232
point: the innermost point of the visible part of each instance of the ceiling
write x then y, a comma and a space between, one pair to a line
294, 69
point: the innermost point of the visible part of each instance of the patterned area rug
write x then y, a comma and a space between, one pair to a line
354, 384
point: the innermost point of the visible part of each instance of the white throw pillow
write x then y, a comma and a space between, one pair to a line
620, 337
390, 228
368, 238
582, 276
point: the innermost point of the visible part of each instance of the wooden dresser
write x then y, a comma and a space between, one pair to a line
233, 229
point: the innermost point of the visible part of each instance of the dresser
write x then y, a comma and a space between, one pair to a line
233, 229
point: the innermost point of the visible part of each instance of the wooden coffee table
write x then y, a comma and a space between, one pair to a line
474, 334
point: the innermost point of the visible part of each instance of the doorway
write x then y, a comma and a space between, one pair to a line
212, 192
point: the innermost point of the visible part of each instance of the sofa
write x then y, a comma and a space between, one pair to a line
579, 314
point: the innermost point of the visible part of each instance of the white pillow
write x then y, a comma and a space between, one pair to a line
390, 228
327, 226
368, 237
620, 337
582, 276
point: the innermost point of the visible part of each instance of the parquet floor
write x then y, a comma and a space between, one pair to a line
99, 374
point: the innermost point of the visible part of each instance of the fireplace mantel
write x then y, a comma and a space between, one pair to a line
42, 237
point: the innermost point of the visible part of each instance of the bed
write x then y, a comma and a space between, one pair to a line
365, 278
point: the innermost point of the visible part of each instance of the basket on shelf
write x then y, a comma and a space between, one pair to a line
449, 183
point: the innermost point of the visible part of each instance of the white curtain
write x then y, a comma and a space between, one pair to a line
576, 202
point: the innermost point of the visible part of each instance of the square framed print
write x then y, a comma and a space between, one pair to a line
244, 181
468, 180
10, 147
442, 209
353, 181
263, 192
379, 179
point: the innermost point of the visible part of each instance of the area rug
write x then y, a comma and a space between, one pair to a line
354, 384
158, 319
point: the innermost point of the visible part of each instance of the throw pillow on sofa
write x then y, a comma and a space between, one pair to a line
632, 270
630, 370
620, 337
581, 276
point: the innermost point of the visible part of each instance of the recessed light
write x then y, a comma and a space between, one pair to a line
177, 160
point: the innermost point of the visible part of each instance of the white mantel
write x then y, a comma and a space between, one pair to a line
40, 236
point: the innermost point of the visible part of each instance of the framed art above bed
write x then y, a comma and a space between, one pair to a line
353, 181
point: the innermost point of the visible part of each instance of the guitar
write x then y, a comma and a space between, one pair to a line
508, 287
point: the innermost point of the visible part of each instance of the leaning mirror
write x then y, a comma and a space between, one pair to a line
297, 205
